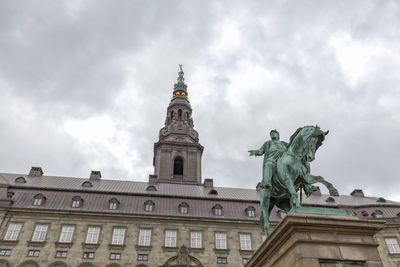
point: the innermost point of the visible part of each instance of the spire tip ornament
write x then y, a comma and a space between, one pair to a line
181, 80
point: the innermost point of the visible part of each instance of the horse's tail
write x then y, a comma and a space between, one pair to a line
262, 220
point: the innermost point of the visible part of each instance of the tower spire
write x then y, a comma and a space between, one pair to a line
181, 80
177, 154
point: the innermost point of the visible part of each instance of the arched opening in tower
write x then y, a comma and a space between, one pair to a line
179, 114
178, 167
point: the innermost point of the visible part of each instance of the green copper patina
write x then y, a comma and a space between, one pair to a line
286, 169
181, 80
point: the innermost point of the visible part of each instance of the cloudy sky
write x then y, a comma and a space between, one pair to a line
85, 85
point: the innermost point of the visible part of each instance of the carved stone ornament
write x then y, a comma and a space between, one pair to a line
182, 259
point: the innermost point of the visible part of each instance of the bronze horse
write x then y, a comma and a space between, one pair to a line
292, 171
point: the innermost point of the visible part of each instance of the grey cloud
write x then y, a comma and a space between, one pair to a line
120, 59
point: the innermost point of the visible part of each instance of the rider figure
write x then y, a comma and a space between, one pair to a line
272, 150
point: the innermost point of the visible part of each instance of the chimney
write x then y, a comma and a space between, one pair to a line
95, 176
208, 183
35, 172
153, 179
357, 193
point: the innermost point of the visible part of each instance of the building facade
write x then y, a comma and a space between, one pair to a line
175, 219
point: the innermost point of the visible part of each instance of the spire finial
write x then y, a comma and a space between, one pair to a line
181, 80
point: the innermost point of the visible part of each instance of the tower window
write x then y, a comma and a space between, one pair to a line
179, 114
172, 114
178, 167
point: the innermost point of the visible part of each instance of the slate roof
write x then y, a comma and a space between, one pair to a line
59, 192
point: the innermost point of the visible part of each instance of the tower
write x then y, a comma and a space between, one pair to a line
177, 154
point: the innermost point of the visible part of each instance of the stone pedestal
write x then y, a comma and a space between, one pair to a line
314, 240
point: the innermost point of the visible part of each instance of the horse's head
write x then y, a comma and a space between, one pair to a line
306, 140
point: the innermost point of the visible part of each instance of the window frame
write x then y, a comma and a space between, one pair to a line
250, 242
45, 234
192, 238
140, 238
124, 236
218, 240
389, 246
61, 233
171, 244
98, 234
18, 231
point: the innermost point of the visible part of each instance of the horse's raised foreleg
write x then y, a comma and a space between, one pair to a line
265, 198
312, 179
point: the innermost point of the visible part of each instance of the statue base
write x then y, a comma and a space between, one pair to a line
322, 239
321, 211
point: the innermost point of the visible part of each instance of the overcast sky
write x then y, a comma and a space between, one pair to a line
85, 85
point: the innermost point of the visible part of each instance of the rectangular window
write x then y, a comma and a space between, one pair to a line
143, 257
13, 231
170, 238
223, 260
66, 234
220, 241
115, 256
33, 253
245, 242
5, 252
40, 233
245, 260
144, 237
92, 236
118, 236
195, 239
88, 255
61, 254
392, 245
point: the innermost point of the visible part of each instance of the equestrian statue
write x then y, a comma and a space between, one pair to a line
286, 169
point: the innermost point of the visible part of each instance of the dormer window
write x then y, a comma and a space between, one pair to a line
217, 209
377, 214
330, 200
251, 211
77, 202
38, 200
20, 180
178, 167
151, 188
87, 184
113, 204
213, 192
183, 207
149, 206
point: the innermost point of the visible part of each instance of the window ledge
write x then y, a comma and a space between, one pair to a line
116, 247
143, 248
173, 249
246, 252
90, 246
394, 255
9, 242
221, 251
63, 244
196, 249
36, 243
